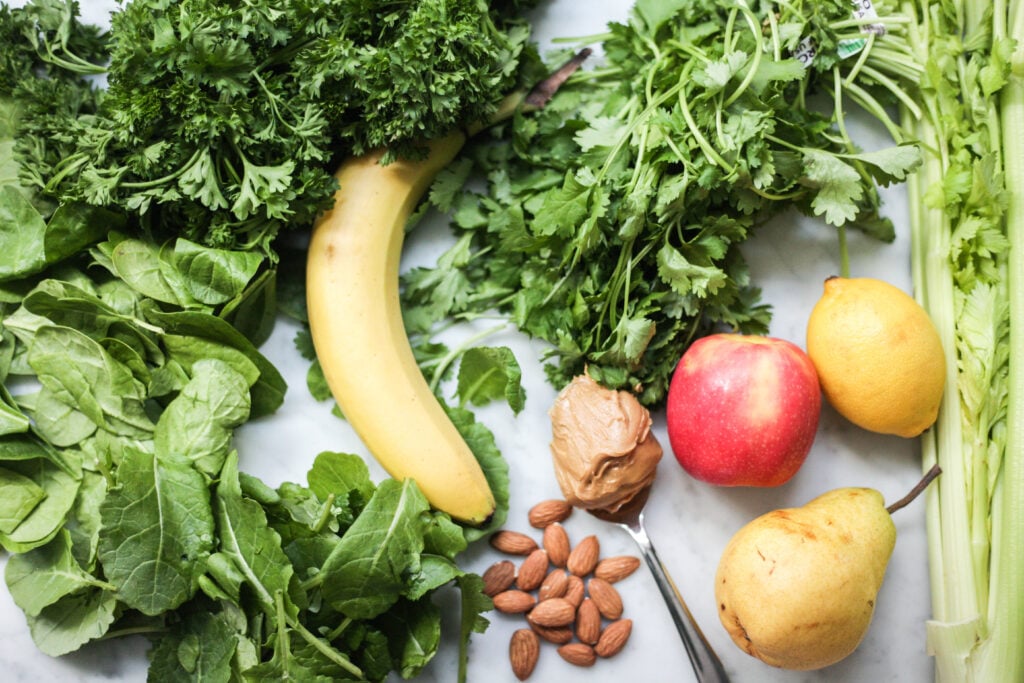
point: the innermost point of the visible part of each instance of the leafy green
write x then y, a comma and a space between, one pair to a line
158, 531
221, 121
73, 621
366, 573
19, 495
489, 373
612, 221
41, 577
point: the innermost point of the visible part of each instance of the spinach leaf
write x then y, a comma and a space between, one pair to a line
185, 274
19, 495
199, 423
43, 576
474, 604
413, 629
73, 621
481, 441
249, 548
60, 485
12, 420
342, 475
200, 647
58, 422
206, 334
85, 521
157, 531
79, 372
30, 243
253, 312
214, 276
367, 572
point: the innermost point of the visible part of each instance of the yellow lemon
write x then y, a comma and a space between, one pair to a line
878, 356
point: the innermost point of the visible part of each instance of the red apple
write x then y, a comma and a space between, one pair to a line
743, 410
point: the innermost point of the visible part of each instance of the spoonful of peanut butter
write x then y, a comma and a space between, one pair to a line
606, 458
604, 452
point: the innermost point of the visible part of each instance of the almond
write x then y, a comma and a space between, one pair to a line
513, 543
614, 637
613, 569
499, 577
578, 654
514, 602
548, 512
523, 652
575, 590
583, 557
607, 599
533, 570
555, 584
588, 622
552, 613
556, 542
559, 635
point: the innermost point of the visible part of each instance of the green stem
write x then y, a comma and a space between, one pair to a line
449, 358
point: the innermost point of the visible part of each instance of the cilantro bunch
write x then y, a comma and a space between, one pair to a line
222, 121
612, 221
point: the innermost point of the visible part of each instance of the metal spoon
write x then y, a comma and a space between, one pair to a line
706, 664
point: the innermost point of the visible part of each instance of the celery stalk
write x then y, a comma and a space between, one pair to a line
1002, 650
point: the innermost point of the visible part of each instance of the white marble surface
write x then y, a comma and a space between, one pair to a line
688, 521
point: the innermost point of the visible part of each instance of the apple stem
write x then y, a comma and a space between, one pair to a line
916, 491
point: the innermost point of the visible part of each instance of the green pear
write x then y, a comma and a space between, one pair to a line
796, 587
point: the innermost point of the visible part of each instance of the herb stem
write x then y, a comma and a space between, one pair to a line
755, 61
702, 141
449, 358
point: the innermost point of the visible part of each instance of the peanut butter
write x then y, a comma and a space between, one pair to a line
603, 449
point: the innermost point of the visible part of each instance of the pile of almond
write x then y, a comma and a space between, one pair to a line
565, 593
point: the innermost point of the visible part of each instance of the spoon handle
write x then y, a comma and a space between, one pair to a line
706, 664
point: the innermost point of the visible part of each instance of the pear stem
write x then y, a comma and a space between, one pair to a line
916, 491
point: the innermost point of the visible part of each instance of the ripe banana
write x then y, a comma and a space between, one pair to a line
360, 340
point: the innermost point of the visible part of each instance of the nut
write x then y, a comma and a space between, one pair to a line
555, 584
514, 602
556, 542
583, 557
548, 512
613, 638
559, 635
613, 569
575, 590
553, 613
513, 543
499, 577
523, 652
588, 622
607, 599
533, 570
578, 654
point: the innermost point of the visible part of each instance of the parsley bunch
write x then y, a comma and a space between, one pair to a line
222, 121
612, 220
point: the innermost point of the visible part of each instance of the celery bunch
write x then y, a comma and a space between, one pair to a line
963, 101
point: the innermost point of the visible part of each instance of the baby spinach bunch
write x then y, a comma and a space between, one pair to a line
222, 121
612, 220
125, 511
